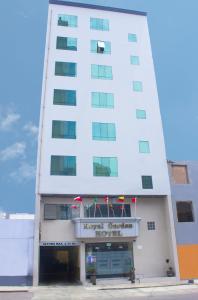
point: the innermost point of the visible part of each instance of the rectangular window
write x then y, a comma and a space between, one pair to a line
66, 43
144, 147
105, 166
101, 72
64, 129
140, 114
185, 211
63, 165
60, 212
98, 210
147, 182
67, 20
151, 225
102, 100
137, 86
65, 69
132, 37
135, 60
103, 131
100, 47
99, 24
180, 174
64, 97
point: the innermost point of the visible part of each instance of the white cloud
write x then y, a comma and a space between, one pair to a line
13, 151
24, 173
7, 122
31, 129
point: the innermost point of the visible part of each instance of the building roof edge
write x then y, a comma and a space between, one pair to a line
100, 7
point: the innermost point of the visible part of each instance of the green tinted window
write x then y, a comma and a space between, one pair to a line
103, 131
64, 129
63, 165
144, 147
99, 24
101, 72
132, 37
147, 182
137, 86
135, 60
105, 166
64, 97
65, 69
67, 20
102, 100
66, 43
100, 47
140, 114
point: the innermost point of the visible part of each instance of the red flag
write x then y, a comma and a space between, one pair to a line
121, 207
78, 199
106, 199
134, 200
97, 205
74, 206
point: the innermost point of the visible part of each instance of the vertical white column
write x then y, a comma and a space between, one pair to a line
36, 242
82, 263
173, 242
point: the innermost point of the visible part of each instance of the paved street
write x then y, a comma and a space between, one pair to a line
81, 293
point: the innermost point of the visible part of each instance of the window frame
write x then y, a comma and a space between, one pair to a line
70, 20
99, 24
64, 69
98, 160
67, 127
102, 100
65, 160
103, 131
60, 40
145, 185
64, 94
192, 212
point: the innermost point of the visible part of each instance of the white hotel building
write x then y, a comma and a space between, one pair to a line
101, 135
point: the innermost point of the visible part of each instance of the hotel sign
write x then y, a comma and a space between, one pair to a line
106, 227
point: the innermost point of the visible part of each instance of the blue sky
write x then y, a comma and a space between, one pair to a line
173, 30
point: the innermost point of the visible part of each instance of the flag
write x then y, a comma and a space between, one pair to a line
121, 207
78, 199
74, 206
97, 205
121, 199
106, 199
134, 200
95, 200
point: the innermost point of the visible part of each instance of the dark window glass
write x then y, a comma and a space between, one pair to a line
185, 211
151, 225
65, 69
60, 212
147, 182
111, 210
63, 165
64, 129
64, 97
67, 20
66, 43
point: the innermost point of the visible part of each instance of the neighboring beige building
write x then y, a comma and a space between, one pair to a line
101, 140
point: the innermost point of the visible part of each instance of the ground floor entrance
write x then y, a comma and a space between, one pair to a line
59, 264
109, 259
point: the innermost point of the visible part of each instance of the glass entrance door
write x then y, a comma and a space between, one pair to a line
109, 259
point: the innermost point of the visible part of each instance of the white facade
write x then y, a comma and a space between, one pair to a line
16, 251
129, 130
154, 203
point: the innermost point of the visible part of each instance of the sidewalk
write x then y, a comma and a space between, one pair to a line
106, 284
115, 284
